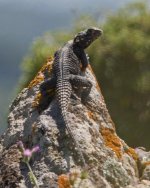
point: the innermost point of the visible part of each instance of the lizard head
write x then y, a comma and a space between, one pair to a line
84, 38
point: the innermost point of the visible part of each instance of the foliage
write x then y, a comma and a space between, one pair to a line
122, 67
121, 63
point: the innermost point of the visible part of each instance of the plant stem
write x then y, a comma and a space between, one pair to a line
33, 176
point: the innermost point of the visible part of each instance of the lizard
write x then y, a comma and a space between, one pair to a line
69, 63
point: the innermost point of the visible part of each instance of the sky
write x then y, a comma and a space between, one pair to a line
22, 21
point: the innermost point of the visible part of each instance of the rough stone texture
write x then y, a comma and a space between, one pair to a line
37, 121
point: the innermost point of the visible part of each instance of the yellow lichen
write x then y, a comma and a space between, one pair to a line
112, 141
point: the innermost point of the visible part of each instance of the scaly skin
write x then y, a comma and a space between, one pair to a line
69, 63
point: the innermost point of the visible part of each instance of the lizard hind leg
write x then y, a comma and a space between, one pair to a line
82, 84
47, 91
47, 85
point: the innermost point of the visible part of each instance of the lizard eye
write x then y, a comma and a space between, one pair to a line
77, 39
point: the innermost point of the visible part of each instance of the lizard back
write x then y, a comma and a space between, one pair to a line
66, 62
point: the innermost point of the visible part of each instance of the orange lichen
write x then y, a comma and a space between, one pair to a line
130, 151
37, 100
47, 66
146, 163
97, 85
39, 78
112, 141
92, 115
63, 181
40, 75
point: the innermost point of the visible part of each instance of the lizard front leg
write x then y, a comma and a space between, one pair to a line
84, 60
80, 81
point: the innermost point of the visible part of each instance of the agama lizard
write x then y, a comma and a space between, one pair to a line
69, 63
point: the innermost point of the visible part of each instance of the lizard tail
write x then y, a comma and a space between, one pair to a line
63, 91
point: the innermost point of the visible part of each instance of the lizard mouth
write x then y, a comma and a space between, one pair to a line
95, 35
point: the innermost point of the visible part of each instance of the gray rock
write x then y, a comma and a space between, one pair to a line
37, 121
144, 163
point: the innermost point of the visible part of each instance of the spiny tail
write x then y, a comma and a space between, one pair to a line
63, 92
73, 138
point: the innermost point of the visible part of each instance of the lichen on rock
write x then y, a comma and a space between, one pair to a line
36, 120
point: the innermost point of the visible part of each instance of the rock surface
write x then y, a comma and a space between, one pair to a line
36, 121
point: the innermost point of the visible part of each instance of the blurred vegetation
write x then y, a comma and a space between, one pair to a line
121, 61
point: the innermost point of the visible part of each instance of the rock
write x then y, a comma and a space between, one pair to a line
144, 163
36, 120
